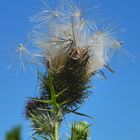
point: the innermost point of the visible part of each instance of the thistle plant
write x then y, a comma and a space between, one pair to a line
73, 49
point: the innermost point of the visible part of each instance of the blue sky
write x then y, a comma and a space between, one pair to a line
115, 103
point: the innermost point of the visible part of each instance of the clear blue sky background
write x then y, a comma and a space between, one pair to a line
115, 103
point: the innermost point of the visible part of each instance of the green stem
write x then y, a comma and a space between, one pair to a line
56, 133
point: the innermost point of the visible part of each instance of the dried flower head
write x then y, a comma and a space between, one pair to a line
57, 29
74, 49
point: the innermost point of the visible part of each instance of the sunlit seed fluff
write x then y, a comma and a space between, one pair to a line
22, 57
61, 30
101, 50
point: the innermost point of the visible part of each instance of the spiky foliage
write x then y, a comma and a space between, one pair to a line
47, 112
14, 134
80, 131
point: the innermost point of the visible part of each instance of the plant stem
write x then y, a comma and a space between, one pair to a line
56, 131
